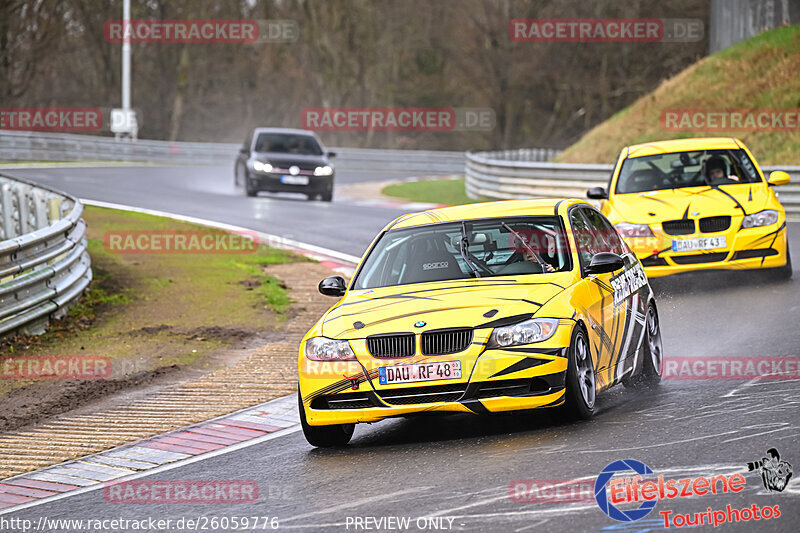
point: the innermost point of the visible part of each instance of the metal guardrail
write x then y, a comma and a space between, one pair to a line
44, 265
38, 146
489, 176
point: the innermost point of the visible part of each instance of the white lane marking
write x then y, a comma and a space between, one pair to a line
671, 443
787, 426
273, 240
157, 470
357, 503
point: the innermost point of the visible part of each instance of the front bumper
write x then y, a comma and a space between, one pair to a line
272, 182
496, 380
747, 249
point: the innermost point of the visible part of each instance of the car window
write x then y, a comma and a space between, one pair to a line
582, 233
285, 143
604, 232
685, 169
495, 247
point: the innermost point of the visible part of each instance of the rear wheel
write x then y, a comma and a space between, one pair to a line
324, 436
238, 174
652, 353
581, 385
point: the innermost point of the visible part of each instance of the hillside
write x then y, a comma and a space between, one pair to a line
760, 73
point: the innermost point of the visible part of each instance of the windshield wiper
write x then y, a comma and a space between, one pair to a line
521, 239
462, 247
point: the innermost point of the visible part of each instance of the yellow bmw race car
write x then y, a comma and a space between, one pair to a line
697, 204
483, 308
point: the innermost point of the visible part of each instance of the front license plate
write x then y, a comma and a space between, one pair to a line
701, 243
294, 180
388, 375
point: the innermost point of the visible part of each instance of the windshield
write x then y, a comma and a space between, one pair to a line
286, 143
470, 249
685, 169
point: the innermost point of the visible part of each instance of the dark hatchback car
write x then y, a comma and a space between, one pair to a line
285, 160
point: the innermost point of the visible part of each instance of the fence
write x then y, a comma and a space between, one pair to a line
44, 265
516, 177
37, 146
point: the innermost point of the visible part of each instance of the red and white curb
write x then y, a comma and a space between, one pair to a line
163, 452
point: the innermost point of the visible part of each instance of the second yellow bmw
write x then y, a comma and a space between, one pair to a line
483, 308
697, 204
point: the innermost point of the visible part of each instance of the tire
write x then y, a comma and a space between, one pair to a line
248, 187
326, 196
324, 436
581, 388
237, 174
652, 354
785, 272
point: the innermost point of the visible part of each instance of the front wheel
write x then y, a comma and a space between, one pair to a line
324, 436
785, 272
581, 385
249, 190
238, 172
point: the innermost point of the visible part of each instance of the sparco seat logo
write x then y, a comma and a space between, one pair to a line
432, 266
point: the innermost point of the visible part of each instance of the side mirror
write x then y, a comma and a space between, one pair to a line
244, 150
604, 262
779, 177
333, 286
597, 193
331, 154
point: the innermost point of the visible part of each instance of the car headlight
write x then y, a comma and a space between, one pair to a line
323, 171
534, 330
626, 229
762, 218
262, 167
325, 349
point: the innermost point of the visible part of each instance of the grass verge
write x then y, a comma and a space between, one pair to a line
760, 73
445, 191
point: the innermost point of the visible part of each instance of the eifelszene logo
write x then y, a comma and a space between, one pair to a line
775, 474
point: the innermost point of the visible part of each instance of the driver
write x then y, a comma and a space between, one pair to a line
717, 170
530, 255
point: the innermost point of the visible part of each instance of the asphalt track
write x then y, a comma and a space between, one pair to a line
461, 467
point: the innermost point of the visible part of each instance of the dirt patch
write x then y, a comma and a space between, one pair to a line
33, 403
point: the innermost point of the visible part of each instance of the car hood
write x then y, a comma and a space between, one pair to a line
457, 303
695, 202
